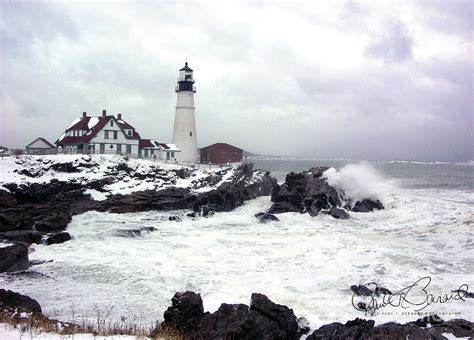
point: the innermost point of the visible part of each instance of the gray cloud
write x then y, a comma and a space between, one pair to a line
393, 44
350, 79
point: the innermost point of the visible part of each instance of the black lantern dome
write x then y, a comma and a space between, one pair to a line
185, 79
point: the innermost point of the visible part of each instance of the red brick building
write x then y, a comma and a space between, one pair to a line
221, 153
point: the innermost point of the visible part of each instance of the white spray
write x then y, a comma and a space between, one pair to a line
360, 181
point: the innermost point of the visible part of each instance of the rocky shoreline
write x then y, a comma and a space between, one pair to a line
38, 211
261, 319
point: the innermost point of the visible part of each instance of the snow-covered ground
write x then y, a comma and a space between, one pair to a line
144, 175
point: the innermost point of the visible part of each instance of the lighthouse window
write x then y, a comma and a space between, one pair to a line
190, 133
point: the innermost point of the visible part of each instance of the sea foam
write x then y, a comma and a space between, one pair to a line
361, 181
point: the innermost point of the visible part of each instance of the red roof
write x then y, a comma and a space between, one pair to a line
148, 143
83, 124
221, 147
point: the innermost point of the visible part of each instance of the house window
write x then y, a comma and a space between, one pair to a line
172, 154
129, 132
106, 134
111, 123
190, 133
111, 146
115, 134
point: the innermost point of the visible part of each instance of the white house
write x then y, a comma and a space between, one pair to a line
109, 134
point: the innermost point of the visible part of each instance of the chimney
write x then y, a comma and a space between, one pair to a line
119, 116
84, 114
104, 112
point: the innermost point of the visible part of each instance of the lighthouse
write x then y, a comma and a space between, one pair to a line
184, 132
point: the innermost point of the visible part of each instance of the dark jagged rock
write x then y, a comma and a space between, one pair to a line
382, 291
354, 329
458, 327
430, 327
65, 167
185, 313
182, 173
282, 315
25, 236
14, 257
303, 326
238, 322
55, 221
165, 199
338, 213
309, 191
361, 290
367, 205
264, 217
174, 218
17, 301
56, 238
264, 319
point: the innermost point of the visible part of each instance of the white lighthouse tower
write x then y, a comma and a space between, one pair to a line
184, 132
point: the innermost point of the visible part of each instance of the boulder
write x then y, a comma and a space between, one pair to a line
282, 315
185, 313
14, 300
13, 257
264, 217
339, 213
238, 322
367, 205
55, 238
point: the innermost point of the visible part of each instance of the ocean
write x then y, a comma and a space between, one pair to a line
307, 263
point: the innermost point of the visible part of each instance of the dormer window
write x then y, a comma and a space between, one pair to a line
129, 132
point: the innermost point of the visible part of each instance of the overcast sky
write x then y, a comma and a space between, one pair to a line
326, 79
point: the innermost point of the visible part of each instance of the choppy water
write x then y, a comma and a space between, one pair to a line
303, 262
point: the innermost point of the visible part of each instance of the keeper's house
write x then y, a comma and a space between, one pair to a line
108, 134
221, 153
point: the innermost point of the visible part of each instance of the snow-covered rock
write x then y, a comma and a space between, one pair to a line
39, 194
